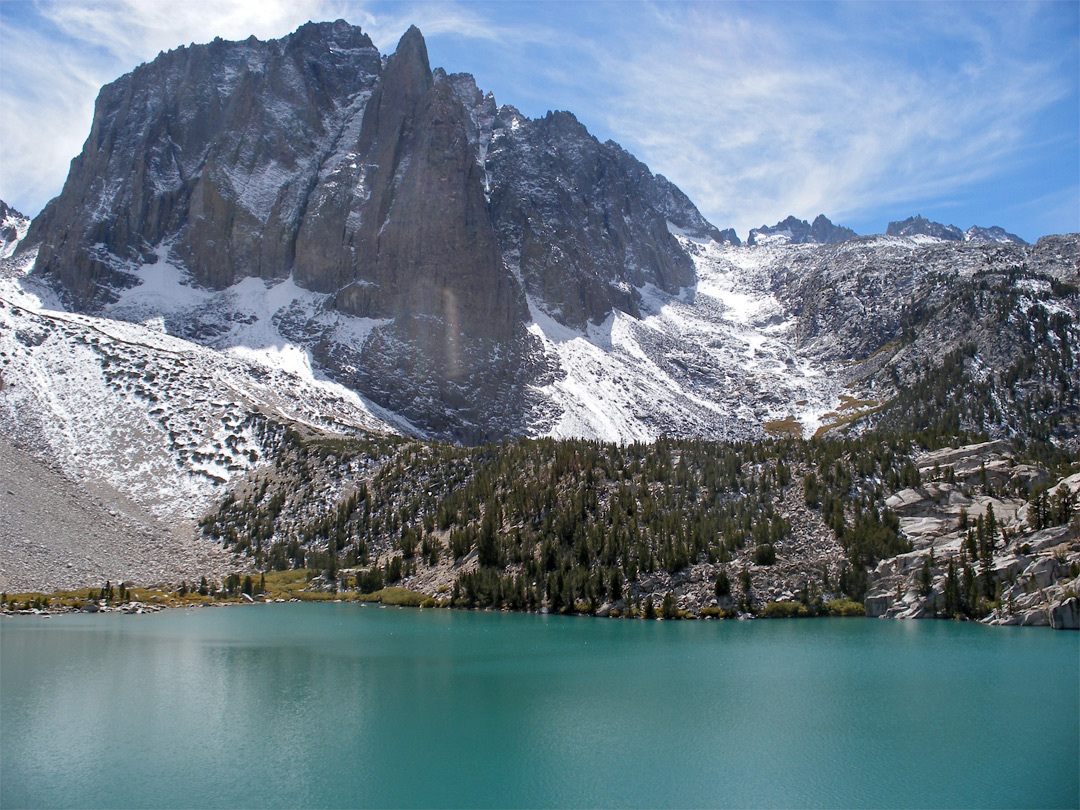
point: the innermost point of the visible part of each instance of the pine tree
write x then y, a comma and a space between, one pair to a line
615, 584
723, 585
746, 583
926, 575
952, 590
669, 609
1063, 506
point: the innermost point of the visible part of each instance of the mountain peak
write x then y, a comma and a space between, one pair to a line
408, 72
411, 47
800, 232
419, 211
995, 233
920, 226
339, 33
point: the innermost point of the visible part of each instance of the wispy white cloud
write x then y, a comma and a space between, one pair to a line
757, 116
756, 111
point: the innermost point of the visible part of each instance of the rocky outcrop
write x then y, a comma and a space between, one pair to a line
13, 227
401, 230
1033, 574
1065, 615
792, 231
584, 223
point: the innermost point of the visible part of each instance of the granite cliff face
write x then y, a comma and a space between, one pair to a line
584, 223
406, 197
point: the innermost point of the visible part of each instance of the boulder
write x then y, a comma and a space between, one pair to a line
1044, 572
1036, 618
906, 501
1047, 538
1065, 615
877, 605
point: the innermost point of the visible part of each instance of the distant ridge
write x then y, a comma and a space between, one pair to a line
920, 226
792, 231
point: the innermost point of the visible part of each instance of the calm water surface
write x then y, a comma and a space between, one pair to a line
341, 706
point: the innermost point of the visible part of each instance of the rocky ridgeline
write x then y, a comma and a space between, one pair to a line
1035, 574
920, 226
977, 337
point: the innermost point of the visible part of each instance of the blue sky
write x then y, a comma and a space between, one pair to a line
965, 113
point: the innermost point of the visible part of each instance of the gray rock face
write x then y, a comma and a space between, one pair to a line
918, 225
224, 140
401, 256
404, 195
792, 231
403, 234
584, 223
1065, 615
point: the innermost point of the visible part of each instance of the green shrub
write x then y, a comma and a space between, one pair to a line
785, 610
844, 607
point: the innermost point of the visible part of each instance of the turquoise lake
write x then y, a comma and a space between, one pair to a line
324, 705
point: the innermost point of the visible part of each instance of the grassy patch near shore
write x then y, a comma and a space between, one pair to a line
402, 596
278, 585
797, 610
713, 612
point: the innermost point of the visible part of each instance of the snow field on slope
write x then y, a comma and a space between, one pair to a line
717, 361
163, 421
245, 322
